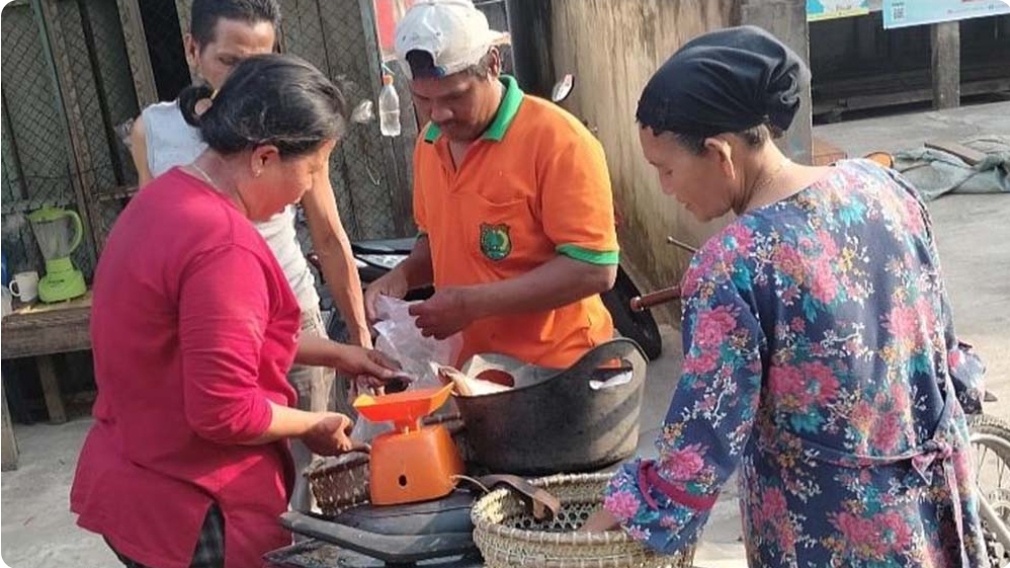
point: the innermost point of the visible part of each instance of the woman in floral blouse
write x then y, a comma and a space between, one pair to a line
820, 357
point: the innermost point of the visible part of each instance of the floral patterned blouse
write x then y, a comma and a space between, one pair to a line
820, 360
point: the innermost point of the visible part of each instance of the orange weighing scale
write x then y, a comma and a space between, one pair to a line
413, 462
416, 511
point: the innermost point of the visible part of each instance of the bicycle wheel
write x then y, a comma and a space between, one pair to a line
990, 437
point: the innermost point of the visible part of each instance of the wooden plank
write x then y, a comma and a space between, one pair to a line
136, 50
877, 80
8, 444
46, 334
861, 102
51, 389
47, 329
945, 44
884, 99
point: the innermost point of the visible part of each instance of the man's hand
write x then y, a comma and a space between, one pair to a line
330, 435
392, 284
600, 521
449, 311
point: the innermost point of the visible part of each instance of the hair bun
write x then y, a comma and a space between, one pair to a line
189, 98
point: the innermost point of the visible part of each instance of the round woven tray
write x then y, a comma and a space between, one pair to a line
341, 483
508, 536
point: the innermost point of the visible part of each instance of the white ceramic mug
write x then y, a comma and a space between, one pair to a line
25, 286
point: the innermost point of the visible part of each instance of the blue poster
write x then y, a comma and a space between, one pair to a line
903, 13
827, 9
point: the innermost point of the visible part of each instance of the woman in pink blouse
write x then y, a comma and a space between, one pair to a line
194, 328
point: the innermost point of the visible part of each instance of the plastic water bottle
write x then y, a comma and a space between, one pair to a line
389, 108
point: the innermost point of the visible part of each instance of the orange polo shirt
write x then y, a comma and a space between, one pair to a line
535, 186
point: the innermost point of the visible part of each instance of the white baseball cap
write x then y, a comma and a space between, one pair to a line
454, 32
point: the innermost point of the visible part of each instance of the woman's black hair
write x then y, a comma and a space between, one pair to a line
269, 99
754, 137
205, 14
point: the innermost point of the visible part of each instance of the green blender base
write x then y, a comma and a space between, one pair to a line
62, 282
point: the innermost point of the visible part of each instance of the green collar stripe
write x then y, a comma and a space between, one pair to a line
506, 111
604, 258
503, 119
432, 133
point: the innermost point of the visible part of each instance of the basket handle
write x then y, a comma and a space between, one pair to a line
618, 348
351, 458
544, 505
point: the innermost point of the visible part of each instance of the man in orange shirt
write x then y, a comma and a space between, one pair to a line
512, 197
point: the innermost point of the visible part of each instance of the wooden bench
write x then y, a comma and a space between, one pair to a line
41, 331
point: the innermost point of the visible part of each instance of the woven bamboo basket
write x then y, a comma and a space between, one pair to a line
341, 483
509, 537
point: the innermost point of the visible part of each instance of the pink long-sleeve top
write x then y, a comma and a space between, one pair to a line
193, 328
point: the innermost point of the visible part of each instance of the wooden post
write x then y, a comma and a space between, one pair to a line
136, 50
945, 40
81, 167
182, 8
51, 389
787, 20
8, 445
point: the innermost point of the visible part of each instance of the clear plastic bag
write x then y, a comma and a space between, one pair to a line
400, 339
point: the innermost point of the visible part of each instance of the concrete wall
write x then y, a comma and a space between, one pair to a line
612, 48
787, 20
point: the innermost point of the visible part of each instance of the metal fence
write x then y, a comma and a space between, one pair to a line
75, 72
370, 173
163, 34
67, 83
497, 14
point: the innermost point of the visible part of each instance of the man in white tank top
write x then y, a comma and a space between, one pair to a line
222, 33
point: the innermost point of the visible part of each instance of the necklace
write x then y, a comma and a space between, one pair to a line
206, 177
770, 178
237, 196
751, 196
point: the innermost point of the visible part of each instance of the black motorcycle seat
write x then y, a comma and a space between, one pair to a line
450, 514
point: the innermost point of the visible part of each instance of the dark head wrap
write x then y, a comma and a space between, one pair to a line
724, 81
